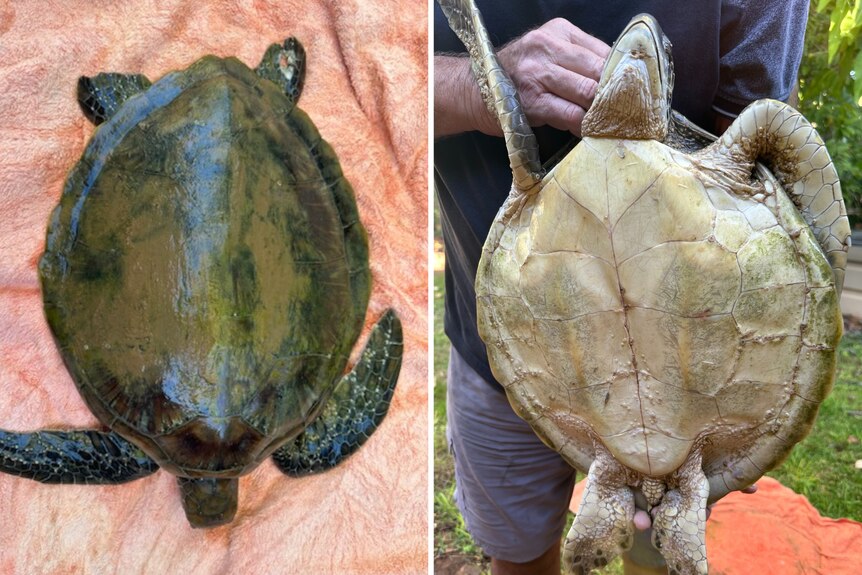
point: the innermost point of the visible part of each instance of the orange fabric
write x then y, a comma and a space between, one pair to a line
366, 91
775, 532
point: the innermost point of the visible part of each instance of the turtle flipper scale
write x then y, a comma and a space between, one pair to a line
284, 64
603, 526
83, 456
679, 525
777, 135
354, 410
101, 96
501, 98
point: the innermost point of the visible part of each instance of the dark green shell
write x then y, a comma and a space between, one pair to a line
206, 273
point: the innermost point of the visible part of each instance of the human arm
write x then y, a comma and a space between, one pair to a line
554, 67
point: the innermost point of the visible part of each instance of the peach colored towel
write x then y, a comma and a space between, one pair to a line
366, 90
775, 532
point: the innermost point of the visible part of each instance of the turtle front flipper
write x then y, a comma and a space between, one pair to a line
775, 134
355, 409
209, 501
284, 64
102, 95
603, 525
501, 97
85, 456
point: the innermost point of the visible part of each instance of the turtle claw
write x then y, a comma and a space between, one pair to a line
603, 525
355, 409
284, 64
679, 526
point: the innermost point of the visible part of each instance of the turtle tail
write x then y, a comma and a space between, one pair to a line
500, 95
777, 135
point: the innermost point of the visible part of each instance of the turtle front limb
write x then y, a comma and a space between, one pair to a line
103, 94
500, 96
679, 523
85, 456
603, 526
354, 411
775, 134
284, 64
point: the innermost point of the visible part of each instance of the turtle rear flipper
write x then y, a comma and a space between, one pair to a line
101, 95
84, 456
679, 526
354, 411
603, 524
284, 64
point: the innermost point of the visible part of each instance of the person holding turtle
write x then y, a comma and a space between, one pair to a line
511, 489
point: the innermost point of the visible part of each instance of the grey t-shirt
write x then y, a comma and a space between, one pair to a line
726, 54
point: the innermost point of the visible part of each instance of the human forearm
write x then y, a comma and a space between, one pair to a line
554, 67
458, 106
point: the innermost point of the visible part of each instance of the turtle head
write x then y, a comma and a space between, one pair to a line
633, 97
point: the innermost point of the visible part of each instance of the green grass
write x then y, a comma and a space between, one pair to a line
821, 467
451, 539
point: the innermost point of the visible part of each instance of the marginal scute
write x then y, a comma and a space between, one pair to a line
813, 379
823, 324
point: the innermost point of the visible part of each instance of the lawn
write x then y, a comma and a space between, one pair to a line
822, 467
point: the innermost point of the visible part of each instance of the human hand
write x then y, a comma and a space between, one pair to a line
555, 68
643, 519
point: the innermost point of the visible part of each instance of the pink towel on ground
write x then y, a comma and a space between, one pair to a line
775, 532
366, 91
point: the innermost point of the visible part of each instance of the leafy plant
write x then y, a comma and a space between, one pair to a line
830, 89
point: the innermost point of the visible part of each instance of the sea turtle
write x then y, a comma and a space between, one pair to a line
205, 277
665, 319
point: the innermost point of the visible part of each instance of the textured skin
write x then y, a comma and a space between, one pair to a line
774, 132
604, 527
367, 63
103, 94
667, 321
498, 92
88, 456
355, 409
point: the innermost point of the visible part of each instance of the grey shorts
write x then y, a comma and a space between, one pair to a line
512, 490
